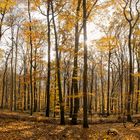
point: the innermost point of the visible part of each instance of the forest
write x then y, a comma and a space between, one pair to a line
71, 64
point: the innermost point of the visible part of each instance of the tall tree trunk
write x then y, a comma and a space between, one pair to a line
12, 82
102, 84
126, 87
19, 89
68, 90
108, 83
15, 71
96, 90
138, 83
85, 115
121, 82
35, 83
71, 101
6, 93
133, 80
130, 76
25, 85
54, 102
1, 23
40, 90
49, 64
132, 21
91, 89
31, 57
62, 118
29, 97
75, 69
3, 80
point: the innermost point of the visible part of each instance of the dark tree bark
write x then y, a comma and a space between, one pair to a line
132, 23
102, 84
35, 83
75, 69
1, 22
49, 66
25, 85
85, 115
54, 102
29, 97
121, 80
6, 93
4, 80
91, 89
108, 82
15, 70
62, 118
96, 92
12, 76
138, 79
31, 57
71, 101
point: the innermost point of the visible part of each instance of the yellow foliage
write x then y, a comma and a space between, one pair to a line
74, 2
107, 43
37, 2
137, 91
68, 19
137, 32
91, 94
5, 5
136, 75
36, 34
65, 49
76, 78
75, 96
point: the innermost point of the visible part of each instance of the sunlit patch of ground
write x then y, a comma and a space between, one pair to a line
14, 126
24, 130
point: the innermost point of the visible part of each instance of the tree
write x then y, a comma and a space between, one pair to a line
4, 79
137, 51
49, 66
75, 68
31, 55
132, 21
5, 6
62, 118
85, 116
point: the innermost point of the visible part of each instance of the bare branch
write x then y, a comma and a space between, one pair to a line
88, 14
138, 14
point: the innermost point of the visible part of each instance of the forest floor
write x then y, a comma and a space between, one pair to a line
18, 126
